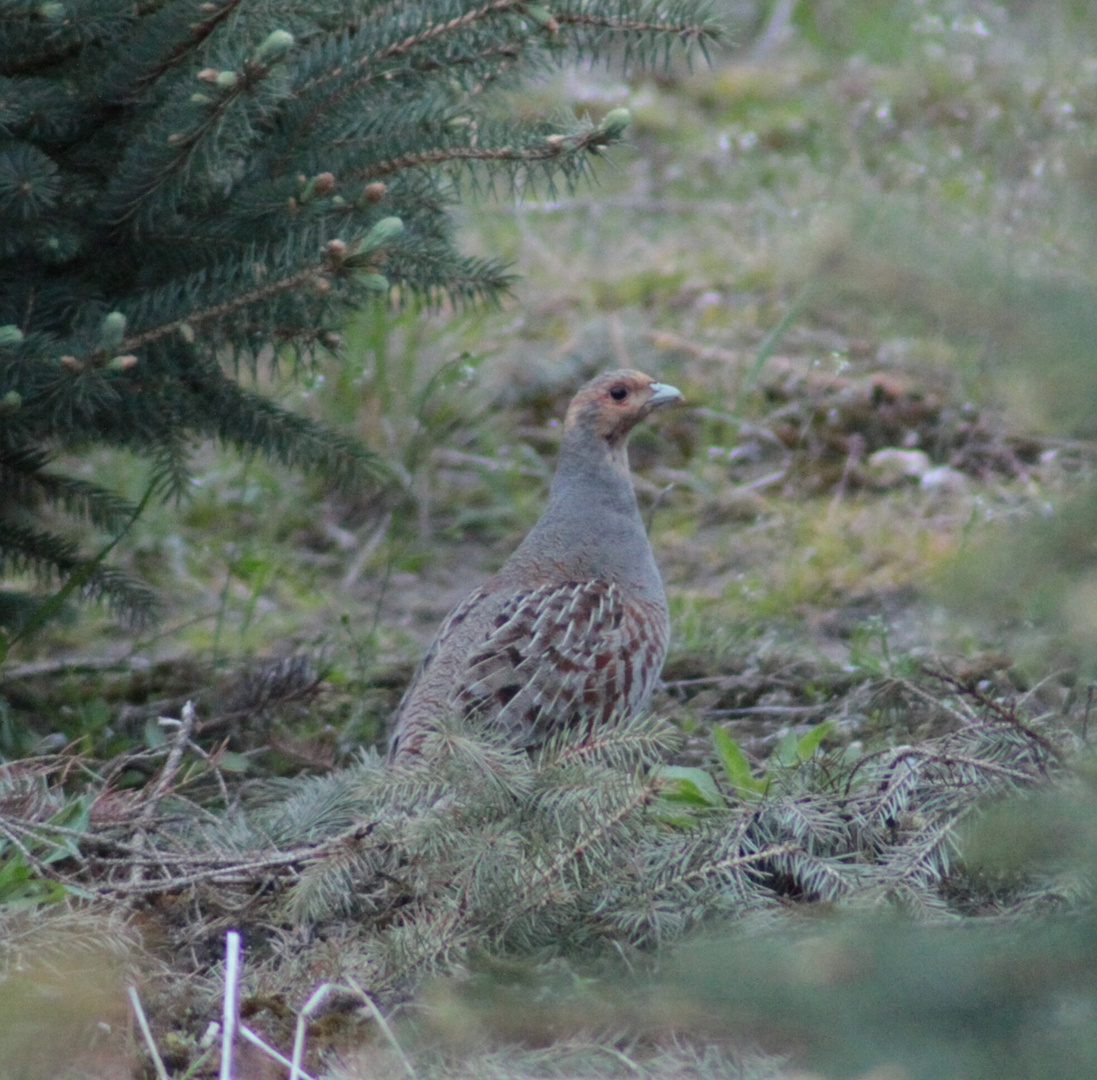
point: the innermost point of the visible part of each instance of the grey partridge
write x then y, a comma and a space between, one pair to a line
573, 630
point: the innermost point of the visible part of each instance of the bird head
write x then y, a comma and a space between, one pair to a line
612, 404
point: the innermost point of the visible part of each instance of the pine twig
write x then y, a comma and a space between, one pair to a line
146, 1032
227, 307
383, 1024
441, 155
171, 765
273, 1054
432, 31
230, 1010
1004, 714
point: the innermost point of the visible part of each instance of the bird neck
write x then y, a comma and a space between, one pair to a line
592, 525
594, 467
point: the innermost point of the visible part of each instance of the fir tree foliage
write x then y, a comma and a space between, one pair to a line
478, 849
187, 187
563, 889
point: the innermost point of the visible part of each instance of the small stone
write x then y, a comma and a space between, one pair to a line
891, 466
944, 478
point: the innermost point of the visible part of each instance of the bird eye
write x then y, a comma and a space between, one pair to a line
619, 392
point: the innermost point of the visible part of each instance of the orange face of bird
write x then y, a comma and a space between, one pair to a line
613, 403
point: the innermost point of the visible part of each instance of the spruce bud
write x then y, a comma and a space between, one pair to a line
122, 363
186, 332
71, 363
227, 79
542, 17
374, 282
276, 45
372, 193
111, 331
10, 336
208, 75
52, 12
11, 400
200, 99
336, 251
322, 285
175, 138
388, 228
321, 184
556, 142
614, 123
338, 201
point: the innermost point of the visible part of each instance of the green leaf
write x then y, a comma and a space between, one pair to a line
736, 765
688, 786
786, 750
20, 888
75, 815
230, 761
806, 746
155, 736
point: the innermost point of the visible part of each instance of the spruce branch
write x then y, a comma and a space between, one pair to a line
194, 172
217, 312
196, 33
47, 557
537, 889
487, 61
429, 31
1006, 713
25, 482
171, 144
624, 24
553, 148
244, 419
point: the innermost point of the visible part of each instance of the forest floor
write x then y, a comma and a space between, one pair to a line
818, 239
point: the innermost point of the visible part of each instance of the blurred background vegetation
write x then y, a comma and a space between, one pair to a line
862, 244
864, 229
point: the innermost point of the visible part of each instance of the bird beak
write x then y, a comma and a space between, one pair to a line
663, 394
